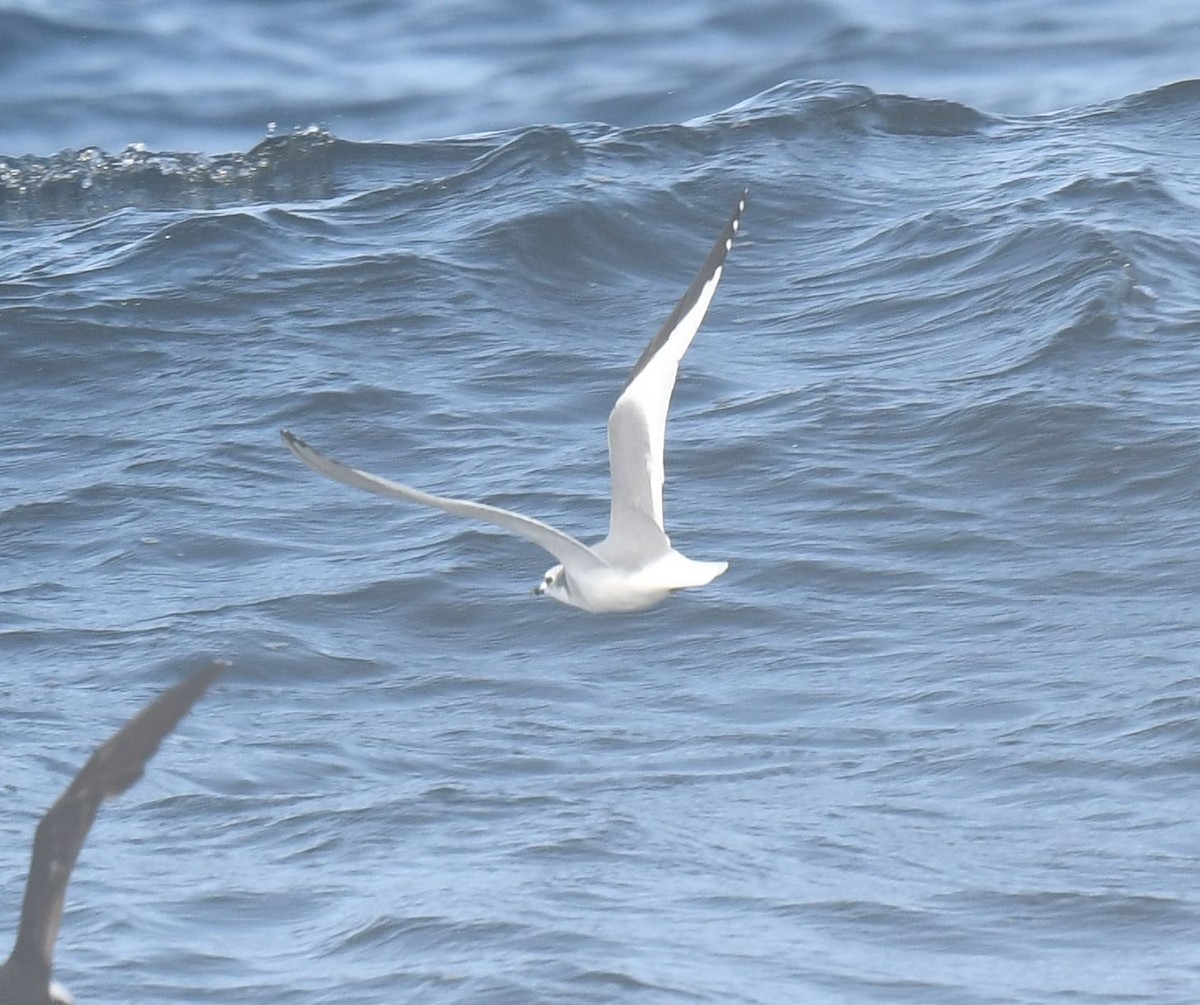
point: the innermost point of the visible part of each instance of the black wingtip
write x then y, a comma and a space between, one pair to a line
735, 218
715, 260
292, 441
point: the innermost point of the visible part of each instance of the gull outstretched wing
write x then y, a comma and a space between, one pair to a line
572, 553
637, 424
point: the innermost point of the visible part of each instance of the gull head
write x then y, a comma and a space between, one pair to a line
554, 584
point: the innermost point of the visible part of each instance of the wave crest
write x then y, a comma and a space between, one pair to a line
292, 167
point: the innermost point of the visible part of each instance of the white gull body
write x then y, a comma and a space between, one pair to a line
634, 567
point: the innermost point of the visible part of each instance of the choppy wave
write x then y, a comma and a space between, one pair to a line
933, 725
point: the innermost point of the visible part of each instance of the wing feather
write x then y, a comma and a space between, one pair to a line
637, 425
110, 771
571, 552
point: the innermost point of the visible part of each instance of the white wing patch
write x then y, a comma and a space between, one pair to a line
637, 425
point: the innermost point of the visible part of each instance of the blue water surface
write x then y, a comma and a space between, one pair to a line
931, 739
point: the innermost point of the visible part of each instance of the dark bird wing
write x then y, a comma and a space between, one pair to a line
110, 771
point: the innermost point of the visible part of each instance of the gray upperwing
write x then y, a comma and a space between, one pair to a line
638, 422
562, 546
110, 771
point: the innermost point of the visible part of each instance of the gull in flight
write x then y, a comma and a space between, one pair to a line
635, 567
25, 977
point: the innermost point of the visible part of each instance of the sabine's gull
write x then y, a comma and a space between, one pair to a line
25, 979
635, 566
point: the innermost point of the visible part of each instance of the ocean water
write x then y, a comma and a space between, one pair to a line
933, 738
